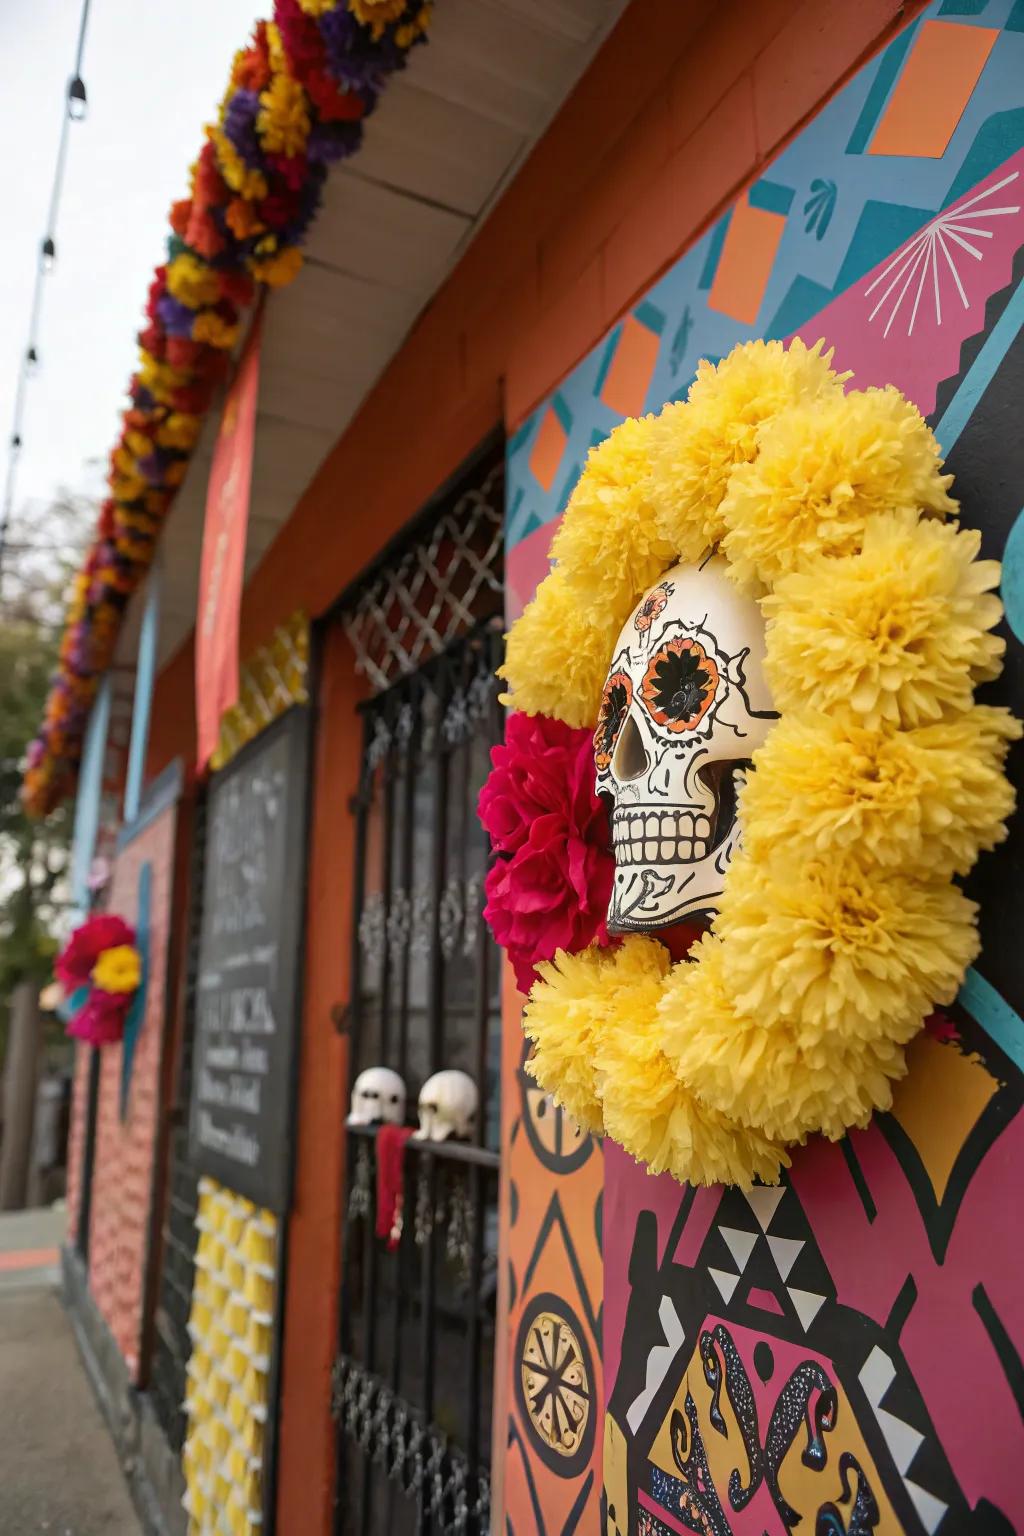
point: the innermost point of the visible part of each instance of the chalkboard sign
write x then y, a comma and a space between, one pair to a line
247, 993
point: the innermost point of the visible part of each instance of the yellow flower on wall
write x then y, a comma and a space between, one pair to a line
118, 969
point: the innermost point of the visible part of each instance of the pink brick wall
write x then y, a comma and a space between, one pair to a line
122, 1196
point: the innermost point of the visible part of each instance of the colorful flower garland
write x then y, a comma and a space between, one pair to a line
100, 970
840, 925
294, 105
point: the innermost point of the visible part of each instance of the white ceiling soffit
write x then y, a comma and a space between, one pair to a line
447, 137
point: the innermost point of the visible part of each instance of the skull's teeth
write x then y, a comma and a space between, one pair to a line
660, 837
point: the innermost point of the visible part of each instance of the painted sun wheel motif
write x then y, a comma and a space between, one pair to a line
680, 684
615, 702
556, 1383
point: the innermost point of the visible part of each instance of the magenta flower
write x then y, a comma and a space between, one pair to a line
551, 884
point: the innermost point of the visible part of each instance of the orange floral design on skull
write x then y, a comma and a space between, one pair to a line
615, 702
652, 605
680, 684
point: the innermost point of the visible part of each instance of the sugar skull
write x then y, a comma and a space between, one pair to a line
378, 1094
447, 1106
684, 707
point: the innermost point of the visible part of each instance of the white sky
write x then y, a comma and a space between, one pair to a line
154, 71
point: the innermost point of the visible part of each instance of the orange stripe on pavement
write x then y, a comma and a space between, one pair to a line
29, 1258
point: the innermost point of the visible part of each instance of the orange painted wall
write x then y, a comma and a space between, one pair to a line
681, 108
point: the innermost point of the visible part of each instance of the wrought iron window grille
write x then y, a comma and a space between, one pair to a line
413, 1374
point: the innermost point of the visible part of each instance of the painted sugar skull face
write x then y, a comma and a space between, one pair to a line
684, 707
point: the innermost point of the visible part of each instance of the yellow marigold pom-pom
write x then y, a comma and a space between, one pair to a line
377, 15
647, 1110
317, 7
564, 1024
280, 270
769, 1077
208, 327
854, 953
927, 801
608, 546
697, 444
179, 431
898, 634
283, 121
556, 656
248, 182
821, 473
192, 281
118, 969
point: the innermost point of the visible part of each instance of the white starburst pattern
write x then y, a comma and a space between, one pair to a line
950, 235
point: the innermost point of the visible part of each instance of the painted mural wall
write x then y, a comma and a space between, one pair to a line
129, 1107
842, 1353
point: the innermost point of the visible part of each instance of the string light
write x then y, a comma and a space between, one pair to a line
73, 110
78, 101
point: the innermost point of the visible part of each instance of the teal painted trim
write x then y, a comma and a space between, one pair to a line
982, 371
568, 486
87, 803
715, 244
561, 409
142, 703
137, 1011
771, 197
994, 1014
650, 315
611, 347
69, 1006
889, 66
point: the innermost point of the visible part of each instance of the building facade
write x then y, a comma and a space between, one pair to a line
509, 1354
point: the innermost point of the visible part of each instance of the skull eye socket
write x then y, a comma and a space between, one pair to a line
680, 684
615, 702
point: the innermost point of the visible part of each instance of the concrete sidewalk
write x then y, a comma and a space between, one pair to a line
58, 1469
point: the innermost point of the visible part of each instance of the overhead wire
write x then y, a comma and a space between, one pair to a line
74, 106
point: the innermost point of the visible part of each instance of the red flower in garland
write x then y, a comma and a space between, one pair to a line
74, 964
101, 1020
550, 887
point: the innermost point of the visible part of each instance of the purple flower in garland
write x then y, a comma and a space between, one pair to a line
330, 142
240, 126
177, 319
154, 468
352, 55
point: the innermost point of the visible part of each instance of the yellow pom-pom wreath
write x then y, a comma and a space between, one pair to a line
768, 1077
847, 950
556, 656
925, 801
839, 928
607, 545
697, 444
897, 635
647, 1109
822, 472
563, 1023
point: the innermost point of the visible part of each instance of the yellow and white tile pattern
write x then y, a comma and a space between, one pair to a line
231, 1326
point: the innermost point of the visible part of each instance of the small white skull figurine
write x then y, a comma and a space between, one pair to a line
377, 1094
448, 1105
684, 708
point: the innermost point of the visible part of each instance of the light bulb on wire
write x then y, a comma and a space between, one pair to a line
31, 360
49, 254
78, 101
